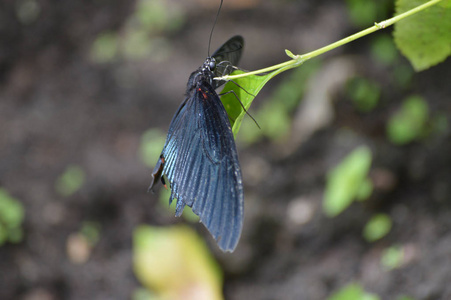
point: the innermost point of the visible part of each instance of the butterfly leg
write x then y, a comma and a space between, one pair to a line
242, 105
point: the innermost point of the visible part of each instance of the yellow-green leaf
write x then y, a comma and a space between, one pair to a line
352, 291
175, 263
425, 38
377, 227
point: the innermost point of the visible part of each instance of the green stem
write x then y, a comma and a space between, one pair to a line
300, 59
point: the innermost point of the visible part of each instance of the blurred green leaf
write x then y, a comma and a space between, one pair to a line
15, 234
377, 227
392, 257
137, 44
352, 291
345, 181
141, 36
384, 49
362, 12
105, 47
277, 121
152, 142
175, 263
11, 210
365, 190
152, 13
424, 38
403, 75
91, 231
440, 124
158, 15
365, 12
11, 218
70, 181
409, 122
364, 93
144, 294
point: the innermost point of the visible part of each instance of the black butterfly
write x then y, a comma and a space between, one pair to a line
199, 157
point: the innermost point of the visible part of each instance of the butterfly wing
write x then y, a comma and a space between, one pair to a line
227, 56
201, 164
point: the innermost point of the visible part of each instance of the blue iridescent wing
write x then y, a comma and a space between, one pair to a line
201, 164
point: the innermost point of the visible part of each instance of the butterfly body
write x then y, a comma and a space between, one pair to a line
199, 158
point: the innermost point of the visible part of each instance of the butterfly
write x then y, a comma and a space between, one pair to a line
199, 158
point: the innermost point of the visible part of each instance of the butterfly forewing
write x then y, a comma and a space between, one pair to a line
227, 56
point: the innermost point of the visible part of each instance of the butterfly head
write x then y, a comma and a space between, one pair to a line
209, 64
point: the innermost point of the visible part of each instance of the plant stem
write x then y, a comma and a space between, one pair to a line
300, 59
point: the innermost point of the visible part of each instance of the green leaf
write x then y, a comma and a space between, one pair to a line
347, 181
245, 89
364, 93
377, 227
70, 181
277, 121
276, 111
11, 218
409, 122
158, 15
11, 210
392, 257
91, 231
15, 235
365, 190
365, 12
137, 44
352, 291
440, 124
384, 49
424, 38
144, 294
152, 142
105, 47
175, 263
446, 3
403, 75
362, 12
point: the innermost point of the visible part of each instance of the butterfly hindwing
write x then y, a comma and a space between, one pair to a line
201, 163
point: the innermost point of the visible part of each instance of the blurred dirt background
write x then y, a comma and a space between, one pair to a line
63, 103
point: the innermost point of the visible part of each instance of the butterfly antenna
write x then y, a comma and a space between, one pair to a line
211, 33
